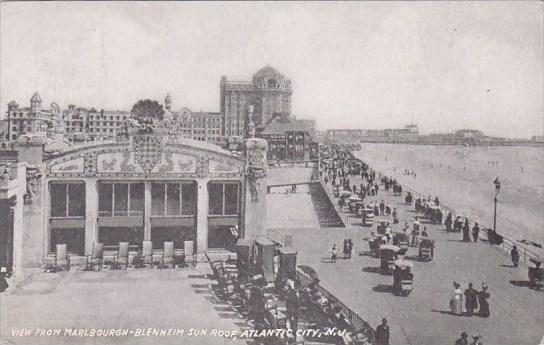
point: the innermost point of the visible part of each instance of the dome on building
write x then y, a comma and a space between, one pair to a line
269, 77
36, 97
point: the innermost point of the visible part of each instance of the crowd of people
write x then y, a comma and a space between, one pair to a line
473, 300
467, 302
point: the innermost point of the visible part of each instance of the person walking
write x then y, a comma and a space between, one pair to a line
334, 253
515, 256
475, 232
471, 299
456, 300
448, 222
466, 231
382, 333
345, 249
292, 307
415, 233
350, 247
463, 340
483, 297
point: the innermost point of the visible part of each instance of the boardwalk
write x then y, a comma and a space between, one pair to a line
517, 313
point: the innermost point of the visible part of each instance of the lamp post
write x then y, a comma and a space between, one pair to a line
497, 191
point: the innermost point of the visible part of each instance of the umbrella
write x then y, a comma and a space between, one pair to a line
355, 198
346, 193
403, 263
390, 247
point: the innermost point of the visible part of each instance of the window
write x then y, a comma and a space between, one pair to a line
223, 198
120, 199
67, 200
173, 199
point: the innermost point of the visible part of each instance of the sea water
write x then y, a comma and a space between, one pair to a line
462, 178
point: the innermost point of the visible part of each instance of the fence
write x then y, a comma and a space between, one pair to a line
526, 254
356, 322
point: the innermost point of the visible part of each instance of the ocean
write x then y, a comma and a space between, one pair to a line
462, 178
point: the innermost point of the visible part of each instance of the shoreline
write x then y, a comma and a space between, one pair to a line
528, 251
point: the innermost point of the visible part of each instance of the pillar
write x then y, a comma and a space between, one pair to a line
18, 221
202, 216
91, 215
256, 189
147, 211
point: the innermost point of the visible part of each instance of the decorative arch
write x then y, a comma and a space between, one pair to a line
146, 156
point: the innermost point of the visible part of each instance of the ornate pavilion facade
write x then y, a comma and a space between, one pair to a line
147, 185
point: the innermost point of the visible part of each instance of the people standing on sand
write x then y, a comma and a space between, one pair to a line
382, 208
475, 232
376, 209
345, 249
515, 256
483, 297
334, 253
466, 231
471, 299
456, 300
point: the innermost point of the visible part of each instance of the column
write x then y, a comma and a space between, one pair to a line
255, 189
147, 211
18, 223
91, 215
202, 216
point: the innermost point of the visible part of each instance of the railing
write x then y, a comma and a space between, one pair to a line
357, 322
303, 223
282, 164
526, 254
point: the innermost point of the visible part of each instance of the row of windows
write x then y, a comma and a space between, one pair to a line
127, 199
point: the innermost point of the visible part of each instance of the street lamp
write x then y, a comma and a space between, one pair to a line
497, 191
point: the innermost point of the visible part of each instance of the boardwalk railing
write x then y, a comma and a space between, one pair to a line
526, 253
356, 322
300, 164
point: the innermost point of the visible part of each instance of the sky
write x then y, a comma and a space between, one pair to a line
440, 65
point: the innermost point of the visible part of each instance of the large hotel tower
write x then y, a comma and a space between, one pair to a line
269, 92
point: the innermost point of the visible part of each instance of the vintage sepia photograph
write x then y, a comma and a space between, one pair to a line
271, 173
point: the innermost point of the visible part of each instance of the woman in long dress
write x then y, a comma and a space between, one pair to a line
456, 301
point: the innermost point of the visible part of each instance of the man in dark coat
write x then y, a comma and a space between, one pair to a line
475, 232
466, 231
471, 299
382, 333
515, 256
257, 307
292, 308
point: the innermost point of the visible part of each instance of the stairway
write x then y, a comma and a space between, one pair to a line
326, 213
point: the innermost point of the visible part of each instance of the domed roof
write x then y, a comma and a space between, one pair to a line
36, 97
267, 72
